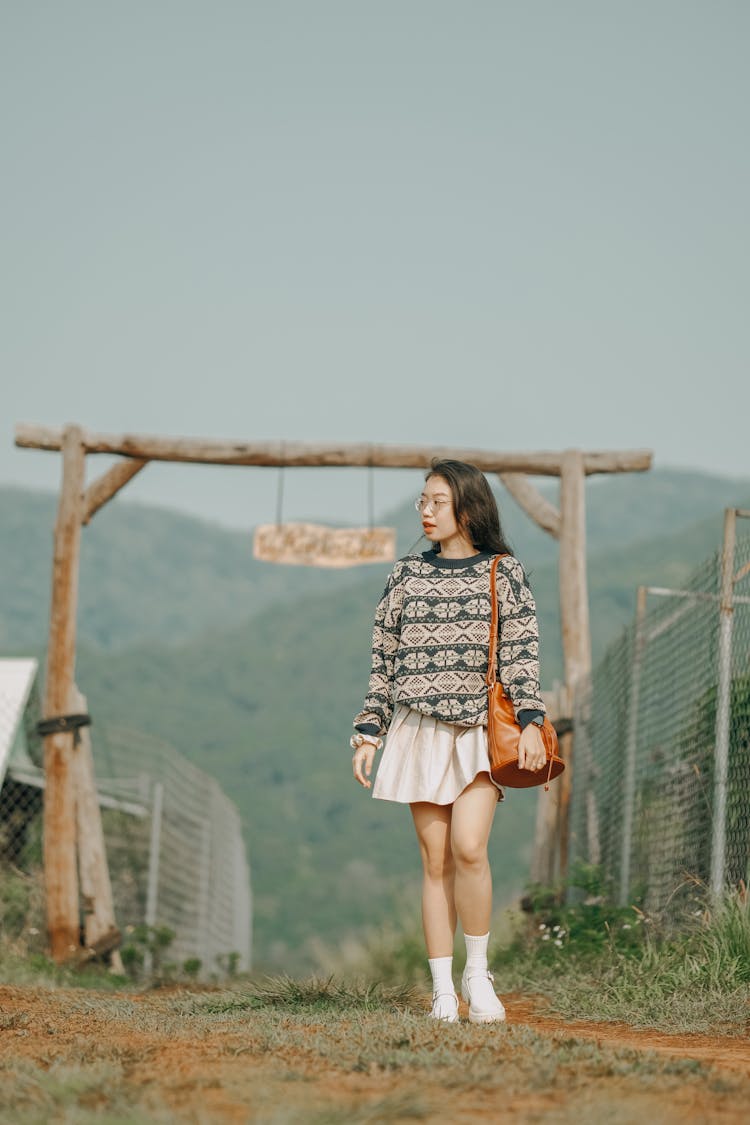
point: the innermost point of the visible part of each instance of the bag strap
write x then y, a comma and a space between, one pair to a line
491, 677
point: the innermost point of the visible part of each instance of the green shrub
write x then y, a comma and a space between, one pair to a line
583, 927
14, 902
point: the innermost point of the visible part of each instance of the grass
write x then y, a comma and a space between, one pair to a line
694, 981
313, 1050
593, 961
73, 1091
589, 960
36, 969
315, 994
296, 1031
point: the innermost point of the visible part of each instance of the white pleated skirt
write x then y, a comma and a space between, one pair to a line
425, 759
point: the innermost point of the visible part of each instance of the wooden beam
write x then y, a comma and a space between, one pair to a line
545, 860
109, 484
96, 888
61, 880
551, 839
276, 453
574, 604
530, 499
574, 618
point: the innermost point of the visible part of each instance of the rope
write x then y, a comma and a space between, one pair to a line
370, 492
280, 489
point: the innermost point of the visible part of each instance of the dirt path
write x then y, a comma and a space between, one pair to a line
173, 1057
725, 1052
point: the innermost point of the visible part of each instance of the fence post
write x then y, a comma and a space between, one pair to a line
152, 890
60, 874
100, 927
204, 942
631, 745
723, 704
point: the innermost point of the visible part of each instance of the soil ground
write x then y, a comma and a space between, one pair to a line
180, 1055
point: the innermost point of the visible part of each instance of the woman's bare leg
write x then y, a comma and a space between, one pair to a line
470, 824
433, 825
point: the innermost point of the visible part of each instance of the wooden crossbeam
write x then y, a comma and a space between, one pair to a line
276, 453
537, 507
107, 485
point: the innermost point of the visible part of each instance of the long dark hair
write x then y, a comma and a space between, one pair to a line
474, 505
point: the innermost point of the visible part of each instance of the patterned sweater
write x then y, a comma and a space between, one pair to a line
431, 638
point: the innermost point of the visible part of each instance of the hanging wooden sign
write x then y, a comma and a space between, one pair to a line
313, 544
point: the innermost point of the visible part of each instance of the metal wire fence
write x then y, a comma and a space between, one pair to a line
661, 790
174, 841
175, 848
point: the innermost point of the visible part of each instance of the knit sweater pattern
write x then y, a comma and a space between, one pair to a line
430, 644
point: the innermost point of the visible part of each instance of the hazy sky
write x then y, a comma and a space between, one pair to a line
506, 225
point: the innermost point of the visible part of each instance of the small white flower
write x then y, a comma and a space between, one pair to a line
562, 933
542, 927
626, 925
558, 943
555, 929
545, 937
33, 930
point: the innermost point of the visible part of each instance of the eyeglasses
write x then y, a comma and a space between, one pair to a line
434, 505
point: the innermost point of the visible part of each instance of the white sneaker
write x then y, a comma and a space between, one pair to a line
478, 989
444, 1007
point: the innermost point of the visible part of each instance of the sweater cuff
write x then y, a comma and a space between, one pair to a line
527, 716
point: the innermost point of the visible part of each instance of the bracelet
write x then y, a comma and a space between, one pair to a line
358, 739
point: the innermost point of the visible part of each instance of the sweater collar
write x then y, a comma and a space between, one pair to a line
435, 559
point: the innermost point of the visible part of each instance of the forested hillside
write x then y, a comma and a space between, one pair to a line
152, 574
254, 672
146, 574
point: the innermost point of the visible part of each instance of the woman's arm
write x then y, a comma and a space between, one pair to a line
518, 638
378, 705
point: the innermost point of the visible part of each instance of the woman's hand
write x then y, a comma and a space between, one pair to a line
531, 752
362, 761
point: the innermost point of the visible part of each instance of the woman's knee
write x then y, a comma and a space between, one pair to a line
469, 852
437, 864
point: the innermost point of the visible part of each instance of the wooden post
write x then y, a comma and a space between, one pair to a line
574, 603
100, 929
545, 858
551, 841
574, 614
59, 805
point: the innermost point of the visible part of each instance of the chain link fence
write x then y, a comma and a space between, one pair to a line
661, 785
174, 842
20, 752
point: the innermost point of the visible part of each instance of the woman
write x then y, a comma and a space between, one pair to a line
427, 690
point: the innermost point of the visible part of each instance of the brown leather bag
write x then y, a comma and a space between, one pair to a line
503, 732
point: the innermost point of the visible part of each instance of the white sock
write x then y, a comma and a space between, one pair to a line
476, 951
442, 975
